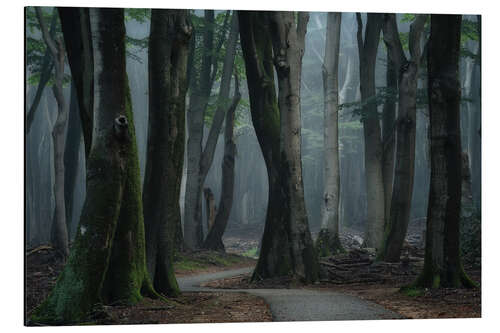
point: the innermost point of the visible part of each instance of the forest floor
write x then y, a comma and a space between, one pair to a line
43, 268
355, 272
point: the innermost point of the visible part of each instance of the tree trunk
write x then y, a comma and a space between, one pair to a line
75, 26
71, 154
168, 49
214, 237
257, 52
442, 265
80, 285
200, 92
397, 225
328, 239
388, 134
371, 129
287, 38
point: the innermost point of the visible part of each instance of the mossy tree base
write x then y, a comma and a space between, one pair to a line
328, 244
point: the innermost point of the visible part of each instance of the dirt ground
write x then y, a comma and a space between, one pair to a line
43, 268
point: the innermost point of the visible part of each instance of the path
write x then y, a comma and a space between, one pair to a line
297, 304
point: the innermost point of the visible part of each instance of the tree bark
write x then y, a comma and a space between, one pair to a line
371, 129
442, 265
287, 247
328, 241
214, 237
82, 284
71, 153
75, 26
399, 217
168, 48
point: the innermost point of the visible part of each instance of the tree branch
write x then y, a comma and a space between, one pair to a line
392, 40
416, 29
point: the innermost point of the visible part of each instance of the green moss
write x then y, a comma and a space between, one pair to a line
412, 291
252, 253
328, 244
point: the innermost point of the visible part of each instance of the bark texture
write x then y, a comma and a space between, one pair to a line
367, 48
328, 241
442, 266
168, 49
399, 217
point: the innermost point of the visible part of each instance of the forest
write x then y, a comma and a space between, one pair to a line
202, 166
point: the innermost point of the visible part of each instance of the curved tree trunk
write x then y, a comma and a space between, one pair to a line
442, 265
328, 239
168, 48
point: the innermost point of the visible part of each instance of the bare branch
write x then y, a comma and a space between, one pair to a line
392, 40
416, 29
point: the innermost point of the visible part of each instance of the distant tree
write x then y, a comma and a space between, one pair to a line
168, 50
59, 232
397, 223
214, 237
107, 262
200, 157
375, 196
443, 266
328, 241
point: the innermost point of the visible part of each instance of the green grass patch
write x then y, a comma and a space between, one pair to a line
252, 253
205, 259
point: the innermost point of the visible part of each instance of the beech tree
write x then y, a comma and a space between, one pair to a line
328, 241
442, 265
59, 232
168, 49
367, 49
107, 262
267, 39
397, 223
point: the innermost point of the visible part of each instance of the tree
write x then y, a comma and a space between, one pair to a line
59, 232
328, 241
442, 265
107, 261
367, 49
214, 237
200, 158
399, 217
168, 50
268, 38
75, 24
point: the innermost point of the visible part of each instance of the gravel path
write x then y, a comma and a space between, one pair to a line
298, 304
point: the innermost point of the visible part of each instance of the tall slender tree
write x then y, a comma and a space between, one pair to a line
199, 157
328, 241
442, 265
168, 50
367, 49
214, 237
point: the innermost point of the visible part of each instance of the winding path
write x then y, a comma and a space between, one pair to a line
297, 304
